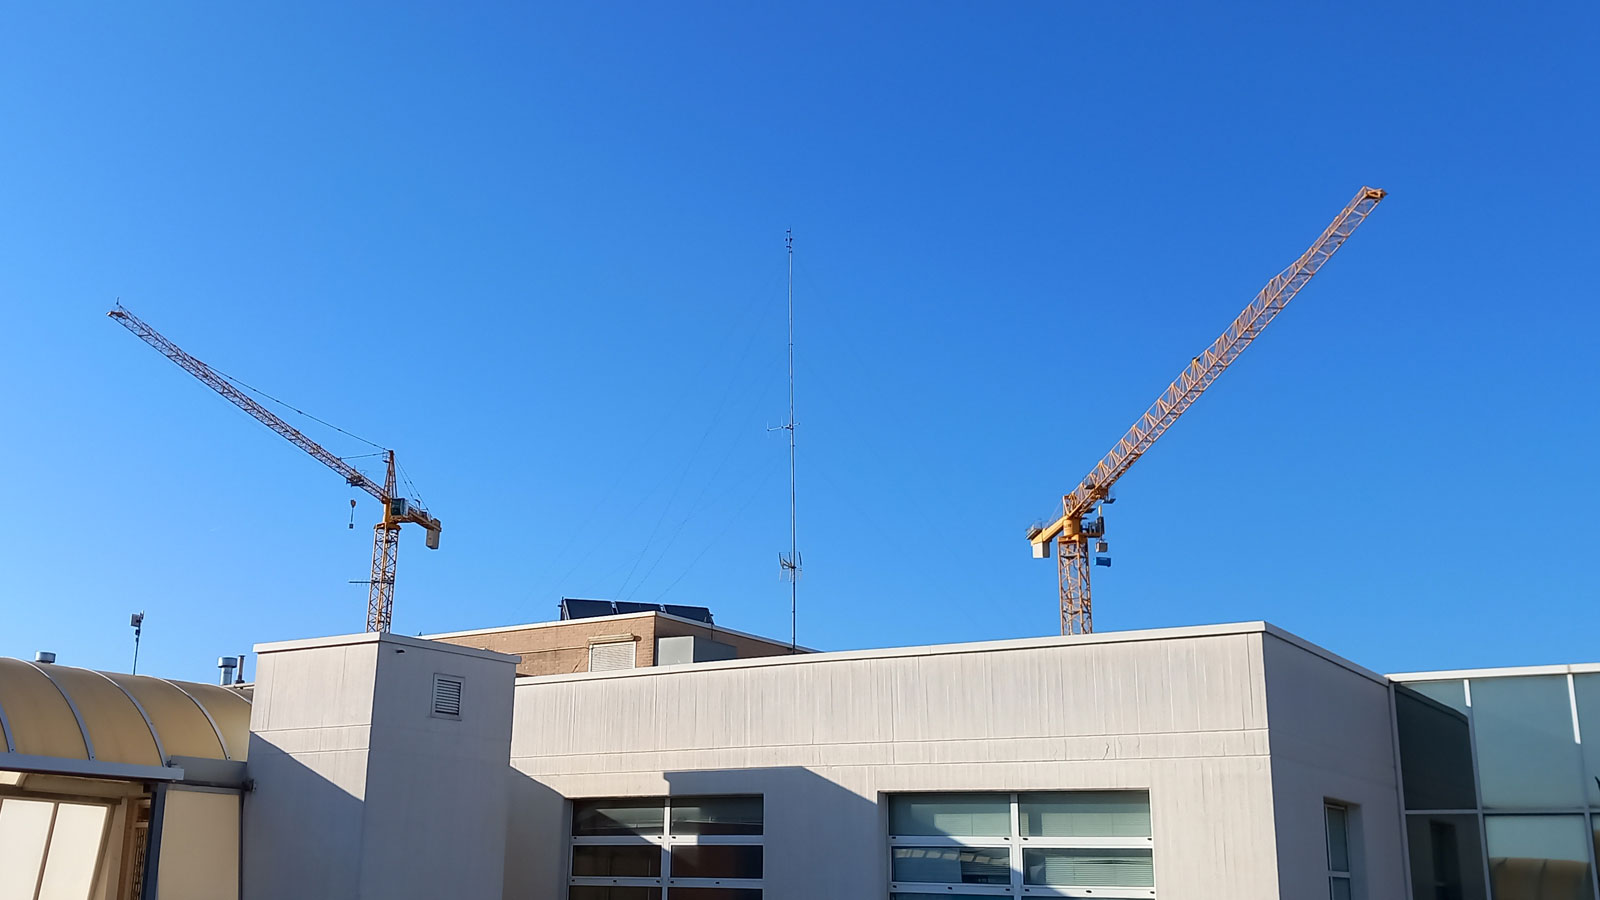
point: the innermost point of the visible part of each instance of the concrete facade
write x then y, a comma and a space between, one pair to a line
360, 789
1239, 733
562, 648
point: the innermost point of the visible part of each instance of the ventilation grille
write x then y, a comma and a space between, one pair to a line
447, 696
608, 657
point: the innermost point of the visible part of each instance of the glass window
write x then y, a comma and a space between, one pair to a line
74, 852
598, 817
1446, 857
715, 861
24, 829
632, 861
951, 865
1088, 868
1077, 841
608, 892
1526, 755
1085, 813
1435, 752
1586, 689
718, 839
1538, 857
961, 815
1336, 825
716, 815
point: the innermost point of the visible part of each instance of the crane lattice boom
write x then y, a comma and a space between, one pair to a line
1070, 532
396, 510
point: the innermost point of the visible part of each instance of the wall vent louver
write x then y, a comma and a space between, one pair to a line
447, 696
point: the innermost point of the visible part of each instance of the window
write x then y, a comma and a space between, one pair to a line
1070, 843
1337, 820
675, 848
49, 850
447, 696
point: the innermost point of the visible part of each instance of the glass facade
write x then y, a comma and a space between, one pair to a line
1502, 795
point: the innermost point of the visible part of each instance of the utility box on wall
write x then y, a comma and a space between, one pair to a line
379, 764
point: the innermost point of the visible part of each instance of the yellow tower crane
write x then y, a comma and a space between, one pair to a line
396, 510
1080, 520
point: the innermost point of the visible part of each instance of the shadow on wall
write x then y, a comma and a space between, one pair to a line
820, 839
303, 831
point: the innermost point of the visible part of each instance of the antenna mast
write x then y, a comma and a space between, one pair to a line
790, 565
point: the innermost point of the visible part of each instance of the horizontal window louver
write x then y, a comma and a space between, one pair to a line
611, 656
447, 696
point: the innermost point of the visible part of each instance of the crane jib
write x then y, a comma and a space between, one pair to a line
1067, 532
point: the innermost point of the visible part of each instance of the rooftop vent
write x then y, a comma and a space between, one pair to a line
44, 656
227, 664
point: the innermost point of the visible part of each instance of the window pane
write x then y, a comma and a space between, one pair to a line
1538, 857
683, 893
1338, 839
1435, 752
24, 827
716, 815
617, 817
1446, 857
1089, 868
952, 865
74, 850
1526, 755
1587, 690
1085, 814
904, 896
600, 892
617, 862
1339, 889
715, 861
968, 815
1451, 693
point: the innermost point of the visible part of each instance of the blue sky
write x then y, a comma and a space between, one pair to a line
539, 251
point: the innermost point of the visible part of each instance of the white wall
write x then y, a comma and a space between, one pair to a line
359, 792
1331, 739
1183, 713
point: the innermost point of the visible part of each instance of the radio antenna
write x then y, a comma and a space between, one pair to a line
790, 565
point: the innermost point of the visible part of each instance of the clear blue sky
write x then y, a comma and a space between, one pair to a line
539, 251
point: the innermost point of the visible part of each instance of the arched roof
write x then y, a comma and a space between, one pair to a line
67, 713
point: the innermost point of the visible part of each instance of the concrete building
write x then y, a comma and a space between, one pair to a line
1231, 761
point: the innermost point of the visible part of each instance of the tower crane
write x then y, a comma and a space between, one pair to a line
397, 510
1081, 519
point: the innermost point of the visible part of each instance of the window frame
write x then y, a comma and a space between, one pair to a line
1347, 874
1015, 844
665, 841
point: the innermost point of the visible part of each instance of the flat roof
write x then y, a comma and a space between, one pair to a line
1104, 637
374, 637
558, 623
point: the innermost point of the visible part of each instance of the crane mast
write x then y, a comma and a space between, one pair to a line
397, 510
1072, 532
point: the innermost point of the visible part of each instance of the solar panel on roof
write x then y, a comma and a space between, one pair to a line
625, 607
573, 608
697, 613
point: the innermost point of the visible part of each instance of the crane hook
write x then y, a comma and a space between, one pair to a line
352, 513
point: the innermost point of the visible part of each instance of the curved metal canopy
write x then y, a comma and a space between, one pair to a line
101, 721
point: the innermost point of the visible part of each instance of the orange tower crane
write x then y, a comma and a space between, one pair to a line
1081, 519
397, 510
